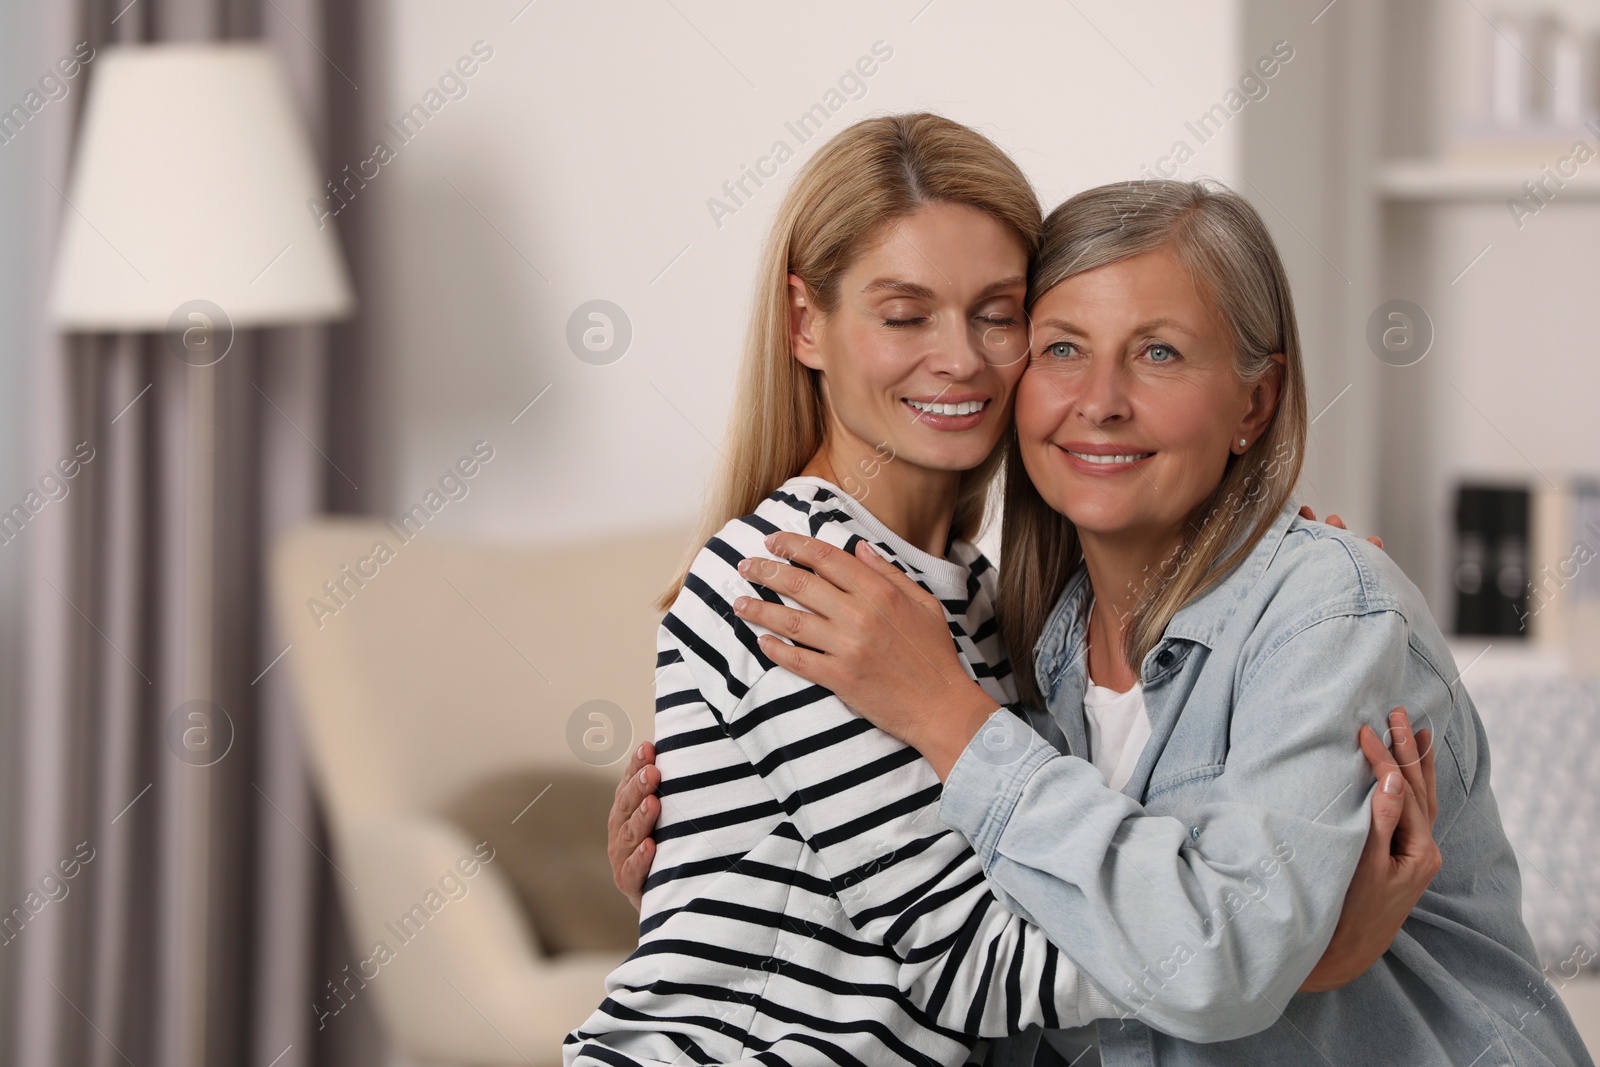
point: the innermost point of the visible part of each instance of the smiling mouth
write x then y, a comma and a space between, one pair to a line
966, 407
1130, 457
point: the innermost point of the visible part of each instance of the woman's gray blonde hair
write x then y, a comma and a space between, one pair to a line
1225, 245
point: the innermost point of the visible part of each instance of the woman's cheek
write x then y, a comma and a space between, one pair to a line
1040, 407
1039, 414
1012, 371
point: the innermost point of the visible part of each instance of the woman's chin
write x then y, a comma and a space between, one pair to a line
1106, 520
950, 456
1099, 529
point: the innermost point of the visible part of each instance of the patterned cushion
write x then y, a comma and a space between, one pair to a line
554, 852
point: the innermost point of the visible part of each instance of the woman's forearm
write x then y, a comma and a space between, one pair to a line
1204, 940
949, 726
867, 809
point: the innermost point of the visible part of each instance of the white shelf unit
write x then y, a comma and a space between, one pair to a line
1380, 185
1426, 181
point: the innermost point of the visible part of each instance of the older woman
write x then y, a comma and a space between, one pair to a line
1207, 654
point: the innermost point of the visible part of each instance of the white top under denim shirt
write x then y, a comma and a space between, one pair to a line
1119, 728
1201, 896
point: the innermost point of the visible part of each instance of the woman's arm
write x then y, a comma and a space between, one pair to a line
1397, 864
867, 807
1087, 861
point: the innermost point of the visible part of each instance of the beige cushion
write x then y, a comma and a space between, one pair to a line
553, 850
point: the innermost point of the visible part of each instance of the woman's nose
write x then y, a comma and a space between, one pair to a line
957, 352
1102, 394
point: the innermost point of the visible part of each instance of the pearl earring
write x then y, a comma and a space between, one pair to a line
1243, 443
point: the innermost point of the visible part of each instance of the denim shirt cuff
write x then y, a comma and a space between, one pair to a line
988, 778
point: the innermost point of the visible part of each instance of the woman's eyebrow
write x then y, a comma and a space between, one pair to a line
1002, 285
1149, 326
1058, 324
896, 285
1163, 324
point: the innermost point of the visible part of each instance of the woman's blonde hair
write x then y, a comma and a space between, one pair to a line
865, 179
1226, 247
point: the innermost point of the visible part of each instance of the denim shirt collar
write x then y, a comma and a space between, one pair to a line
1061, 643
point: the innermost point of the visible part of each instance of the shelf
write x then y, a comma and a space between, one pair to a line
1427, 180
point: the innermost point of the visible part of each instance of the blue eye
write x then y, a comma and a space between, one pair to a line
1167, 353
1060, 350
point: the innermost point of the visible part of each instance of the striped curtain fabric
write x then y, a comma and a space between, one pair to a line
96, 966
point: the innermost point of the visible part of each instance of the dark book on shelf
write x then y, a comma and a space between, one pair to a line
1491, 560
1585, 543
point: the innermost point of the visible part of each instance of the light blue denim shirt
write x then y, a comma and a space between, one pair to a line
1200, 897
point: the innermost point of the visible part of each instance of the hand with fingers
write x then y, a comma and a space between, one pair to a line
1333, 520
873, 637
1399, 860
634, 812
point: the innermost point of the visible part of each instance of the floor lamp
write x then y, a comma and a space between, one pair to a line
190, 212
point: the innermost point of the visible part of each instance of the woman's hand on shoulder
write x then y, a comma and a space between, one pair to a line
877, 640
1333, 520
634, 812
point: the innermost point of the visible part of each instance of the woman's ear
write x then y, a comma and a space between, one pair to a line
1264, 397
803, 325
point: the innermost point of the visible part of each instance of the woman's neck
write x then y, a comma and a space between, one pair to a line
916, 503
1124, 572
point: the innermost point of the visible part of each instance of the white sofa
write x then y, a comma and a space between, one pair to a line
447, 663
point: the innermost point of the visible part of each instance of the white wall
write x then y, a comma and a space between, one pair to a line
590, 143
1307, 163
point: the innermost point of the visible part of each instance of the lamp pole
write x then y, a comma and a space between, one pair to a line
196, 794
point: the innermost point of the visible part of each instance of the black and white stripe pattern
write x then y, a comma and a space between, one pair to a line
806, 905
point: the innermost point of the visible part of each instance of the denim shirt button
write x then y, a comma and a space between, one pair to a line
1195, 834
1164, 658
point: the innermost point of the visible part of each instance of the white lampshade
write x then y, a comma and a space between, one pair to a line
192, 182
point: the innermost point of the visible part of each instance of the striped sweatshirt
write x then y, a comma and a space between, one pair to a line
806, 905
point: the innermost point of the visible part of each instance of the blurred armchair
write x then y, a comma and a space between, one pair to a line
427, 671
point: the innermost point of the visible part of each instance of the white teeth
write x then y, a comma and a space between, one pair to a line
968, 407
1131, 458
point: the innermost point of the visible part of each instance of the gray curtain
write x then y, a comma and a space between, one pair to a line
95, 974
